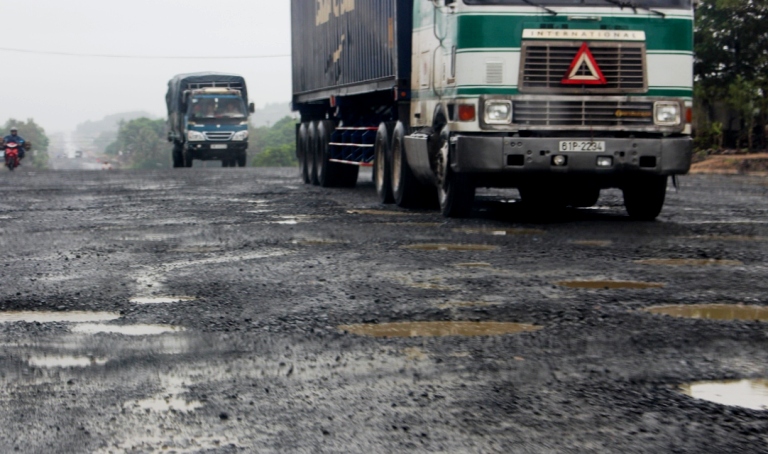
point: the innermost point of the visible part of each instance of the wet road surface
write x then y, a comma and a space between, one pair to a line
237, 310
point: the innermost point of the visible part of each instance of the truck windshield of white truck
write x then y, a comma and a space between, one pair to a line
204, 108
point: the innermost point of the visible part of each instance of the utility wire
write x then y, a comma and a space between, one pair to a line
141, 57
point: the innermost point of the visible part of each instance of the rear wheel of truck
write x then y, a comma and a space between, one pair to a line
456, 192
178, 156
644, 197
382, 173
407, 191
302, 154
311, 154
327, 171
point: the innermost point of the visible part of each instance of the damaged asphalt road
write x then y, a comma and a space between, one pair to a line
223, 310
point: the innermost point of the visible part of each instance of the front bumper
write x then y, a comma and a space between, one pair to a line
483, 154
210, 151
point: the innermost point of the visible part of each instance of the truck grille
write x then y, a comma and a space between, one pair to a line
586, 113
545, 64
218, 136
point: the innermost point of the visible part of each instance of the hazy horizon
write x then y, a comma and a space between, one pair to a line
60, 91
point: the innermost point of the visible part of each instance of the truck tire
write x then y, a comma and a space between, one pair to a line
242, 159
456, 192
347, 175
302, 155
382, 167
584, 197
187, 158
644, 197
178, 156
327, 171
407, 191
311, 155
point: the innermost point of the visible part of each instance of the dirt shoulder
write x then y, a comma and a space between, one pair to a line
753, 164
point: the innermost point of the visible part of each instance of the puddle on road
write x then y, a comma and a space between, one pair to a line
603, 285
167, 404
320, 242
689, 262
65, 361
161, 300
126, 330
473, 265
414, 224
752, 394
593, 243
714, 311
292, 220
500, 231
451, 247
381, 213
439, 329
54, 317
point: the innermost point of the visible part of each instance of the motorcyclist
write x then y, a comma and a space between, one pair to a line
17, 139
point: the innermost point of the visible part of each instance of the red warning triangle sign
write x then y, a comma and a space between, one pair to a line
584, 70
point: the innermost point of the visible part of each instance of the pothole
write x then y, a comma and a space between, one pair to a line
752, 394
473, 265
592, 243
689, 262
381, 212
605, 285
500, 231
438, 329
451, 247
161, 300
126, 330
714, 311
65, 361
57, 317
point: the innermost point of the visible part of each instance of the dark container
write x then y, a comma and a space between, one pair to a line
348, 47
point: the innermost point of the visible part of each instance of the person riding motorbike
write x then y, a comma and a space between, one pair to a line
17, 139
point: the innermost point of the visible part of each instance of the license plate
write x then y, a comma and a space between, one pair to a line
219, 146
582, 145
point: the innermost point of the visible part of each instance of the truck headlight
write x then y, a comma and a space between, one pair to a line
666, 113
240, 135
194, 136
498, 112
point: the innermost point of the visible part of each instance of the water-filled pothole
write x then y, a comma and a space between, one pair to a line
54, 317
604, 285
689, 262
161, 300
65, 361
126, 330
450, 247
500, 231
439, 329
752, 394
592, 243
381, 212
714, 311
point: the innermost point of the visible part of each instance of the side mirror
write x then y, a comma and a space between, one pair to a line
251, 107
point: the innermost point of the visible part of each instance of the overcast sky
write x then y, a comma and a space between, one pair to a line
59, 91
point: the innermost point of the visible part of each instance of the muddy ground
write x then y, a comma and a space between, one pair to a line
251, 351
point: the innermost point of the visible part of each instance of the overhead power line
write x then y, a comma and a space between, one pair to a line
142, 57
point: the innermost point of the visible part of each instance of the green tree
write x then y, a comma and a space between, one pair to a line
274, 146
142, 143
35, 134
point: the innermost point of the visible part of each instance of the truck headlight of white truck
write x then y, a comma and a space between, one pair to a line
240, 136
194, 136
666, 113
498, 112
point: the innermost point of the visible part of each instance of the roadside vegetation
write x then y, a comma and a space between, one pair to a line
141, 144
274, 146
35, 134
731, 76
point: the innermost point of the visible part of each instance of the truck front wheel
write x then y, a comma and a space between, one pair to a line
178, 156
241, 159
644, 197
456, 192
407, 191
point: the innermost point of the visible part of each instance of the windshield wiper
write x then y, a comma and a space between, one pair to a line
550, 11
629, 4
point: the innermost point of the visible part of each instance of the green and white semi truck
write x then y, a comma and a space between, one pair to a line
558, 98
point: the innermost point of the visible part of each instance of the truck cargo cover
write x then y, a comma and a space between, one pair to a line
176, 86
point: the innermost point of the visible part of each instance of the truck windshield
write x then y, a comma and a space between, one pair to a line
676, 4
203, 108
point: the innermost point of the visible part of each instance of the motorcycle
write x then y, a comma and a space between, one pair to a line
12, 155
